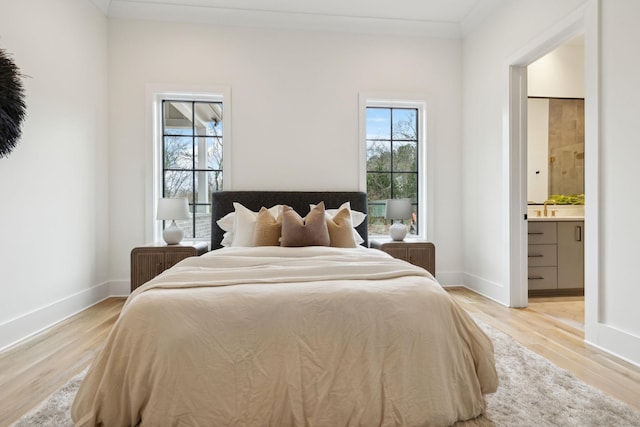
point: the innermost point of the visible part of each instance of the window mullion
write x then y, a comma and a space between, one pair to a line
391, 150
193, 168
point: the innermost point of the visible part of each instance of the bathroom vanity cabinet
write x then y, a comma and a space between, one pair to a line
556, 257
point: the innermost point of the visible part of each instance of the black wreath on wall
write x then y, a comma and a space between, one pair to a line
12, 105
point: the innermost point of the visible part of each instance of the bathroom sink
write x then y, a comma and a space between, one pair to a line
555, 213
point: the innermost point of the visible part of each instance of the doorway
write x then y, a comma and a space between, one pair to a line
583, 21
555, 183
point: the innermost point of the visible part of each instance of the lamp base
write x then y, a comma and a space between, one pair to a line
172, 234
397, 231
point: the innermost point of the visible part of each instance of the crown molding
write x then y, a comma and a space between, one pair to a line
212, 13
103, 5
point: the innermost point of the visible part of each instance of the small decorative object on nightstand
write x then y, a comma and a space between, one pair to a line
172, 209
150, 260
417, 252
397, 210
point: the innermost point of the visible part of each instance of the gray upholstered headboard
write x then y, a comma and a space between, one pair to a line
222, 204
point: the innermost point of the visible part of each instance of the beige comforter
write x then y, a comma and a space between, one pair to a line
289, 336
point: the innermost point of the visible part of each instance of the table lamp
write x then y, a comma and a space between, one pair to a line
397, 210
172, 209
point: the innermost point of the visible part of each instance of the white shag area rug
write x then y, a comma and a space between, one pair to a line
532, 392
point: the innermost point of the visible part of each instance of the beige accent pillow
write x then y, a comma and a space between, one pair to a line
268, 229
240, 225
310, 231
356, 218
341, 230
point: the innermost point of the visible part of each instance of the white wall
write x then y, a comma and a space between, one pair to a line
295, 112
619, 322
486, 52
559, 74
54, 185
538, 150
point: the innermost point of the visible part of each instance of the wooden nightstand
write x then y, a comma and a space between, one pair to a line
417, 252
150, 260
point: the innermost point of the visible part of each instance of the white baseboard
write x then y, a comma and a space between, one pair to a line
621, 344
450, 278
484, 287
20, 328
119, 288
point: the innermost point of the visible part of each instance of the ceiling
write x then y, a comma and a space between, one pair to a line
430, 18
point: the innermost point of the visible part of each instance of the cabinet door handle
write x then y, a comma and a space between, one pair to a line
536, 278
536, 256
535, 233
578, 233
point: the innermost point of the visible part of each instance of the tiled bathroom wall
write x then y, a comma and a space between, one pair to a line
566, 146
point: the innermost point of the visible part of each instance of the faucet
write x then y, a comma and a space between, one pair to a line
548, 202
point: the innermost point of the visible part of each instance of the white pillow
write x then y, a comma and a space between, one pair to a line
241, 224
356, 218
226, 224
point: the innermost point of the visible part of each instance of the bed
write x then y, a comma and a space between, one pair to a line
302, 335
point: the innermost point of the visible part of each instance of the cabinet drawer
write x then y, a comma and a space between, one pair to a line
543, 256
145, 266
542, 232
543, 278
172, 258
150, 260
414, 251
571, 255
423, 256
400, 253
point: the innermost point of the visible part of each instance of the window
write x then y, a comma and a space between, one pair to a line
393, 161
189, 146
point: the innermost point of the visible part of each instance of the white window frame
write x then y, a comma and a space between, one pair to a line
155, 94
425, 170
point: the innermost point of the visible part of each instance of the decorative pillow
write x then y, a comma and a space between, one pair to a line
356, 218
341, 230
240, 225
226, 224
310, 231
268, 229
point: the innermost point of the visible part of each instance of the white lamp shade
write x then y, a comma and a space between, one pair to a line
398, 209
170, 209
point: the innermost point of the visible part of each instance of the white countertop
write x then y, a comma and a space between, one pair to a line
554, 218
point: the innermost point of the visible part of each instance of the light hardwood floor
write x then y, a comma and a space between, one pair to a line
551, 327
37, 367
554, 328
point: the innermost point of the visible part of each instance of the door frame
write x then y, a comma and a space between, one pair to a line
584, 20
